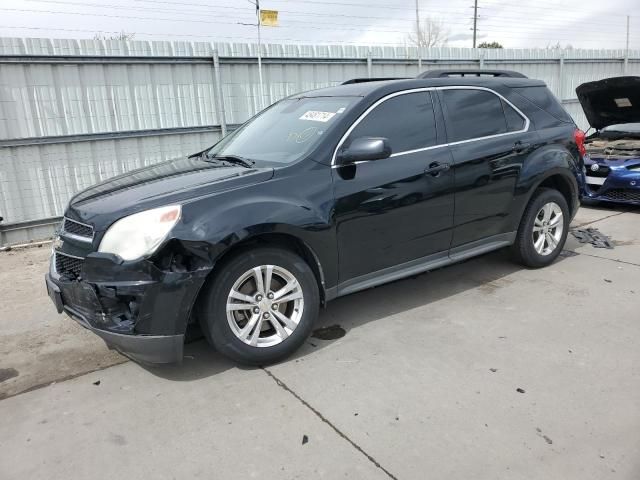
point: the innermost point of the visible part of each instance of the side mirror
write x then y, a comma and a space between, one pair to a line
363, 149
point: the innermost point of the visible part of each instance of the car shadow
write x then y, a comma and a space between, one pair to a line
488, 272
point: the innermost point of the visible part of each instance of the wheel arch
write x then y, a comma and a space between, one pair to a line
286, 241
560, 179
562, 183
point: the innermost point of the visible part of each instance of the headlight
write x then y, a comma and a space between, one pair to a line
140, 234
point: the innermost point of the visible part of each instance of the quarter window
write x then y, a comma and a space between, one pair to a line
407, 121
477, 113
515, 121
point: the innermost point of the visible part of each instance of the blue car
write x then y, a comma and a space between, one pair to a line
612, 156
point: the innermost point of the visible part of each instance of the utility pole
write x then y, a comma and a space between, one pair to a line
475, 21
626, 49
418, 37
260, 103
261, 88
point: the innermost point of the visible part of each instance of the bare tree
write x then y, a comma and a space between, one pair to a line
119, 36
431, 33
559, 46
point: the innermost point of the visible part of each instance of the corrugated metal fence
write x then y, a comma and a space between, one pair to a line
74, 112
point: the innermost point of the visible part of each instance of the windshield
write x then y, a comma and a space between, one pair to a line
286, 131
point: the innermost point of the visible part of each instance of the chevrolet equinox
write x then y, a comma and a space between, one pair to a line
320, 195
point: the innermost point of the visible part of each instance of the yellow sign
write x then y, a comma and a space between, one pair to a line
269, 18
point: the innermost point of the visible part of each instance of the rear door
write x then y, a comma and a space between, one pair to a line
489, 140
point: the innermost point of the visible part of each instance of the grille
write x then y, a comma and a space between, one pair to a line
76, 228
69, 266
623, 194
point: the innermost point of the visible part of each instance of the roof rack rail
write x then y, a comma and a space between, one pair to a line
471, 73
377, 79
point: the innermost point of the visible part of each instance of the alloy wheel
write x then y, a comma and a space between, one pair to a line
548, 227
265, 306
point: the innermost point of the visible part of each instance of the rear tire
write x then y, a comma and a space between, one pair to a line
543, 229
253, 322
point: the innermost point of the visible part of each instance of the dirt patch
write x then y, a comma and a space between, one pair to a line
38, 346
494, 285
329, 333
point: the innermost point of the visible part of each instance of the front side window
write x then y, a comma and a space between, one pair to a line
286, 131
406, 120
473, 114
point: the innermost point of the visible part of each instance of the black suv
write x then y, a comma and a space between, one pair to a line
320, 195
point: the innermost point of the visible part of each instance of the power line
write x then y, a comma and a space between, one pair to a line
501, 33
191, 35
537, 21
306, 26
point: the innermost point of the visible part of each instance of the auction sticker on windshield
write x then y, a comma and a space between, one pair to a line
317, 116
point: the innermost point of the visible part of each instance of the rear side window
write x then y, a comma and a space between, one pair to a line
473, 114
542, 98
407, 121
515, 121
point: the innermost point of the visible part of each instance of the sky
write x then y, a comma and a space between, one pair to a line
514, 24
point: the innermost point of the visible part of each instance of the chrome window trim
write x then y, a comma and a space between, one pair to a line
527, 122
524, 129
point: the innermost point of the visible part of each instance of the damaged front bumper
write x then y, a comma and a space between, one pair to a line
135, 307
615, 180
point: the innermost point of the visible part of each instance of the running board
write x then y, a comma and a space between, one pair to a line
424, 264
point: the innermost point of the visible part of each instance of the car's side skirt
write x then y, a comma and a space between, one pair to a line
422, 264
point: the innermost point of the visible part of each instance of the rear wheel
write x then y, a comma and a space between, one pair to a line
260, 306
543, 229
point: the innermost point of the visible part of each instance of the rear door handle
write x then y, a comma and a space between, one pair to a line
519, 146
435, 168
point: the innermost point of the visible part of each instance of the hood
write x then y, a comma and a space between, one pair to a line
173, 181
610, 101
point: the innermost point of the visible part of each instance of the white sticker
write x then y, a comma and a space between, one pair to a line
622, 102
317, 116
341, 109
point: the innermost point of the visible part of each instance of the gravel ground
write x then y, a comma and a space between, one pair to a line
38, 346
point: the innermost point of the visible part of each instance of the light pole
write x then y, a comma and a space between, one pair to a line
261, 88
418, 37
475, 21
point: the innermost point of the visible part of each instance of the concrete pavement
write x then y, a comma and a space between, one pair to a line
480, 370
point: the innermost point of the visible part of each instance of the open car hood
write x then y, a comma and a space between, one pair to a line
610, 101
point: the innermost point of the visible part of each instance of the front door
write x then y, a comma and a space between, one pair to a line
398, 209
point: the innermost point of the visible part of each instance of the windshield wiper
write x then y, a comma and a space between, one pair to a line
234, 159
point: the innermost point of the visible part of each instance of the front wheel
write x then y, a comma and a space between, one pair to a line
260, 306
543, 229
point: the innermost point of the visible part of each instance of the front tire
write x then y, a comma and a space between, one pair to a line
260, 306
543, 229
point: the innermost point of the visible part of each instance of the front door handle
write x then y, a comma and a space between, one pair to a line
435, 168
520, 147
